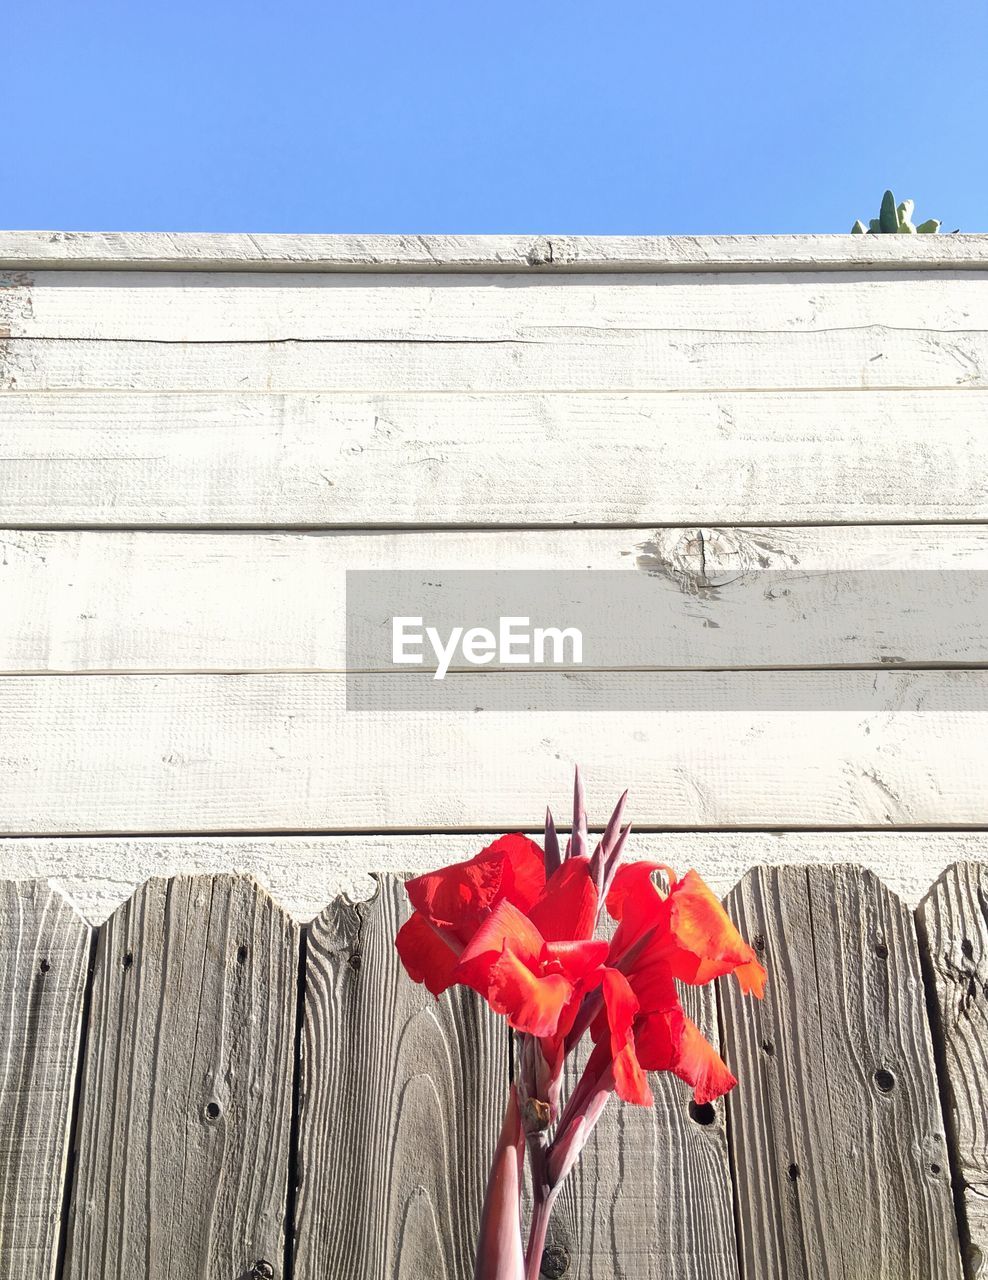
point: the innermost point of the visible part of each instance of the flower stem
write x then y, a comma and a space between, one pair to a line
541, 1211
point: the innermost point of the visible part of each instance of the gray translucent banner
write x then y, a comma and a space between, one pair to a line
599, 640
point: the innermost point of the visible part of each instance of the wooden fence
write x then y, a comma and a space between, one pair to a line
203, 1089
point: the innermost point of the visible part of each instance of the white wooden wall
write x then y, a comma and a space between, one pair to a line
200, 435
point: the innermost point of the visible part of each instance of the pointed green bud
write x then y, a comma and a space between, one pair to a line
859, 229
888, 218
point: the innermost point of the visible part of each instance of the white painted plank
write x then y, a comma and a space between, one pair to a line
160, 601
167, 250
234, 307
126, 458
568, 359
113, 754
98, 874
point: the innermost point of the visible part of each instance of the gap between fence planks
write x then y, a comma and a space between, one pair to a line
838, 1153
201, 458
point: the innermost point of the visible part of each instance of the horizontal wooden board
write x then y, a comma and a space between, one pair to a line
192, 307
168, 251
159, 601
257, 459
105, 754
876, 355
303, 873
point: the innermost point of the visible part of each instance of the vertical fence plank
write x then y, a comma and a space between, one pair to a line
44, 953
650, 1197
836, 1133
953, 925
183, 1138
400, 1101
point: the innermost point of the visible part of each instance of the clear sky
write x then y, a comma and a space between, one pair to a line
505, 116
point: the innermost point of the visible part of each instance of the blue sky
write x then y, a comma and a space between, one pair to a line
429, 116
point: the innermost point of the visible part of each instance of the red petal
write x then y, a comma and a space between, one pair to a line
630, 1081
426, 957
459, 895
658, 1039
567, 907
531, 1003
633, 894
705, 933
524, 869
701, 1066
576, 959
622, 1007
505, 924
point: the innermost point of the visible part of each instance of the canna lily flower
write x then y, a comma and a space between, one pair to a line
516, 924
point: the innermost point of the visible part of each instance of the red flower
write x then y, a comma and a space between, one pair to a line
517, 925
683, 935
451, 905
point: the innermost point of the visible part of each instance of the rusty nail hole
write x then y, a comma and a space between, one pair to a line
934, 1168
128, 960
758, 942
768, 1047
884, 1080
242, 954
45, 966
793, 1172
213, 1110
967, 947
881, 950
262, 1270
703, 1112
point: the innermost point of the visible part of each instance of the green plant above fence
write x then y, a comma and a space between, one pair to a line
896, 220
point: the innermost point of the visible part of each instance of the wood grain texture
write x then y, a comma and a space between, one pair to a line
400, 1103
651, 1196
98, 874
190, 307
953, 927
836, 1133
171, 602
115, 754
183, 1142
875, 356
196, 251
157, 458
44, 955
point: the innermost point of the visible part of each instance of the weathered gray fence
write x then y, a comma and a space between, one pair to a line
203, 1090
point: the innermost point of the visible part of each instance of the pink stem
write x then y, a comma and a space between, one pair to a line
541, 1212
